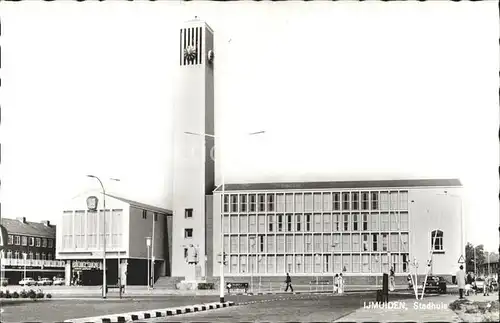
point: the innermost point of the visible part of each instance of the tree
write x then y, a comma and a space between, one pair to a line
469, 256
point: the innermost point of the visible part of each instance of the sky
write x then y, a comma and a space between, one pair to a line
344, 91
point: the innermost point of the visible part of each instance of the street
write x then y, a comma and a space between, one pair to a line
287, 308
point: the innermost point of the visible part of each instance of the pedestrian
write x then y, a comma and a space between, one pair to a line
408, 278
288, 282
341, 284
336, 284
392, 280
461, 281
486, 287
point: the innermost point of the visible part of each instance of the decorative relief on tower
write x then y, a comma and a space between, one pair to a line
191, 45
190, 53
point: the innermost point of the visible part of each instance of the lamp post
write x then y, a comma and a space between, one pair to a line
104, 279
333, 267
148, 245
221, 268
25, 256
152, 251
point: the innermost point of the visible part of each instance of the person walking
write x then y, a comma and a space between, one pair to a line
288, 282
461, 281
341, 284
336, 284
486, 287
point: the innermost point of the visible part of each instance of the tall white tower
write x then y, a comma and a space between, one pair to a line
194, 173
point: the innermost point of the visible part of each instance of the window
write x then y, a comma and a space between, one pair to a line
234, 244
243, 224
11, 239
365, 203
280, 222
355, 201
308, 223
271, 269
345, 201
365, 243
299, 243
404, 221
234, 264
289, 200
261, 218
262, 243
355, 222
289, 244
308, 243
51, 243
317, 223
188, 233
17, 255
374, 221
404, 261
365, 222
226, 203
243, 203
384, 201
17, 240
188, 213
346, 222
336, 201
38, 242
394, 242
403, 200
289, 223
144, 214
327, 202
234, 223
262, 203
384, 242
308, 202
280, 203
317, 201
243, 264
394, 200
243, 243
375, 242
270, 223
365, 263
437, 240
336, 222
346, 266
253, 203
299, 222
403, 242
327, 243
270, 202
307, 264
252, 223
31, 241
234, 203
356, 263
385, 222
37, 256
280, 243
30, 255
346, 243
252, 244
225, 223
44, 243
327, 223
270, 244
394, 221
43, 256
298, 264
317, 243
355, 243
49, 257
374, 200
156, 216
24, 241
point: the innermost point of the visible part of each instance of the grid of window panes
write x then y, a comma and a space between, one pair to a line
316, 232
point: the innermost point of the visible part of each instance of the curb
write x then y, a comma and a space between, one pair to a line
142, 315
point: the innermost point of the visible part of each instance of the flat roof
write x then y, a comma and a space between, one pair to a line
403, 183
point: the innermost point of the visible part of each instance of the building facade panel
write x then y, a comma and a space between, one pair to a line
360, 232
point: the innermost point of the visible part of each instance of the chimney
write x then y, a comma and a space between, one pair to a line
21, 219
46, 223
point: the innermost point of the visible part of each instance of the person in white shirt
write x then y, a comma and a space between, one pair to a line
341, 284
461, 281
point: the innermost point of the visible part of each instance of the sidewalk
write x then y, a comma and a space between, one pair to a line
430, 309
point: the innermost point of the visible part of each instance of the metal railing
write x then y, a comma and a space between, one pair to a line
32, 262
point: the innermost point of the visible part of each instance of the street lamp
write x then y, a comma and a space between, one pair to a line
148, 245
104, 281
221, 269
25, 256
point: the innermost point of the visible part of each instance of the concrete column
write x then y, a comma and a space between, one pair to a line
67, 273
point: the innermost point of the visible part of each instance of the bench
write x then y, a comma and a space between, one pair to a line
240, 286
108, 287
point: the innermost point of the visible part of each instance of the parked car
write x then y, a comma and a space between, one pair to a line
479, 285
4, 282
28, 281
44, 282
58, 281
435, 284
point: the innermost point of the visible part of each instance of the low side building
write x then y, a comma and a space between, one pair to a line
128, 223
30, 250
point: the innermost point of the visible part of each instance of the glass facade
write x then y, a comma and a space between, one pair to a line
316, 232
